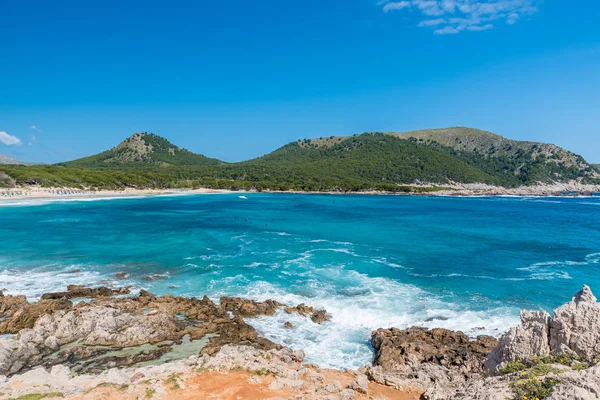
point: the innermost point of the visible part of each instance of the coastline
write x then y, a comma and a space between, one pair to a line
572, 189
110, 347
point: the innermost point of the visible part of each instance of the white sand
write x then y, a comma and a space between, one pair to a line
58, 193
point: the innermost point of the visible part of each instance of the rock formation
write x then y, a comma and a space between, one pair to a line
91, 335
424, 358
77, 291
574, 329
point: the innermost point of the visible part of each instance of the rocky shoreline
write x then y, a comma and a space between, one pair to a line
144, 346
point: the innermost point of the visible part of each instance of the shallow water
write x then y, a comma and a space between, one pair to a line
371, 261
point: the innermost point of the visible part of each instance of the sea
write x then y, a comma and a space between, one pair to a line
372, 261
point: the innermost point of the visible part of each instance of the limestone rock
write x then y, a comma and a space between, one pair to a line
348, 394
361, 384
523, 341
576, 326
574, 329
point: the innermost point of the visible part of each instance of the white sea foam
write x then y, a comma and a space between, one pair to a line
45, 201
35, 282
366, 303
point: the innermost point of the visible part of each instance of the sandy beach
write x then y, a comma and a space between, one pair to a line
454, 189
67, 193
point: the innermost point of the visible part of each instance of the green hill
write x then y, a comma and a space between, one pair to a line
510, 162
440, 155
369, 161
142, 150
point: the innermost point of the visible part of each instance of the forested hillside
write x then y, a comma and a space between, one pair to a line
369, 161
142, 149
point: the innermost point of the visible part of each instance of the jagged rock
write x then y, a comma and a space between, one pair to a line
288, 325
317, 316
348, 394
574, 385
334, 387
574, 329
405, 350
522, 342
576, 326
154, 277
578, 385
23, 315
10, 304
78, 291
361, 384
496, 388
249, 308
97, 329
92, 326
122, 275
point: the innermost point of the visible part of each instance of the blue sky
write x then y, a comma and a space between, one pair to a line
237, 79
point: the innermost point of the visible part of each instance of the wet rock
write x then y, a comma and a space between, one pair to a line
405, 350
106, 331
91, 326
288, 325
154, 277
122, 275
249, 308
78, 291
23, 315
317, 316
10, 304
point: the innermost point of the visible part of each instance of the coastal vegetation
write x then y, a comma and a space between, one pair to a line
410, 162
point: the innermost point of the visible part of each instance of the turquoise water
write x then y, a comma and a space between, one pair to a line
371, 261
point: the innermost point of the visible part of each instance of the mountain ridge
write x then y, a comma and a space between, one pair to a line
383, 161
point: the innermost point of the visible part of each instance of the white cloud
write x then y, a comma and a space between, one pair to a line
433, 22
35, 128
9, 140
447, 30
455, 16
395, 5
480, 27
32, 140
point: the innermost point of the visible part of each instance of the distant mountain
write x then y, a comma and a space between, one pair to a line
4, 159
142, 149
387, 161
507, 162
369, 157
